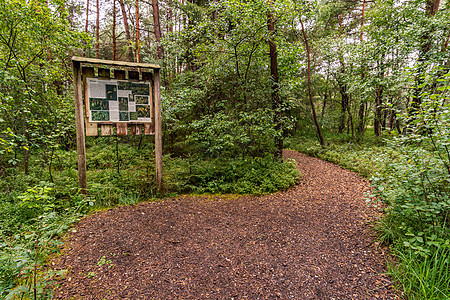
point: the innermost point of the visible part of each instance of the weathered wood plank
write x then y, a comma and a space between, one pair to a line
149, 128
79, 122
122, 128
106, 129
135, 129
87, 72
91, 128
114, 63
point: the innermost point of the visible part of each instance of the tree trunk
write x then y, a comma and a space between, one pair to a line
215, 14
127, 30
361, 115
171, 21
361, 36
377, 119
114, 31
26, 150
86, 27
313, 109
392, 120
432, 6
26, 161
157, 28
325, 98
350, 120
138, 52
344, 104
362, 105
97, 32
276, 101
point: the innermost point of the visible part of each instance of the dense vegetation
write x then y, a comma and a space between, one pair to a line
364, 84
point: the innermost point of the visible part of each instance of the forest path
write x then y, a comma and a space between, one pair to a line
312, 241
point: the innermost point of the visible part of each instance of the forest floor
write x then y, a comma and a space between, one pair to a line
313, 241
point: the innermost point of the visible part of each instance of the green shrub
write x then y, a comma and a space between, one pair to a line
364, 160
28, 227
409, 174
239, 175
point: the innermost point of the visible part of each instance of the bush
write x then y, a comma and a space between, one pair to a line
240, 175
364, 160
29, 237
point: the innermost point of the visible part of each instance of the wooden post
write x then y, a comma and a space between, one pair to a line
79, 120
158, 131
106, 127
91, 128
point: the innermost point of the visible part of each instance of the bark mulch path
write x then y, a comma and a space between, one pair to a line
311, 242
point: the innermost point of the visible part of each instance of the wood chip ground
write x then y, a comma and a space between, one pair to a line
313, 241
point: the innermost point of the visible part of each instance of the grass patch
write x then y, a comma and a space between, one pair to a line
423, 276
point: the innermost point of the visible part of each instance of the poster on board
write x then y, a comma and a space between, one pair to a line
118, 101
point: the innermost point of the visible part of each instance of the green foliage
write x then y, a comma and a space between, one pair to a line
423, 276
365, 159
34, 111
222, 105
417, 185
410, 176
240, 175
246, 133
28, 227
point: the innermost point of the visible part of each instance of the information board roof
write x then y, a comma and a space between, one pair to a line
114, 63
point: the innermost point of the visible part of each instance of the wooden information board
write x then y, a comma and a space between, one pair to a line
123, 99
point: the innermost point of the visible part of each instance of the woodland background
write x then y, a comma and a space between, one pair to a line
364, 84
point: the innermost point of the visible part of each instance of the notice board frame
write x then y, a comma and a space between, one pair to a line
80, 116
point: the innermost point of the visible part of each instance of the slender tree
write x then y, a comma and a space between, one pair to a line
86, 27
378, 102
157, 28
114, 31
362, 105
276, 100
170, 13
431, 8
138, 46
308, 77
127, 30
97, 32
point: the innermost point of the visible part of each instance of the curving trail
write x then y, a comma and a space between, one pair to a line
312, 241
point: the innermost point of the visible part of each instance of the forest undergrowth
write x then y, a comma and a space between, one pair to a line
38, 208
412, 184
